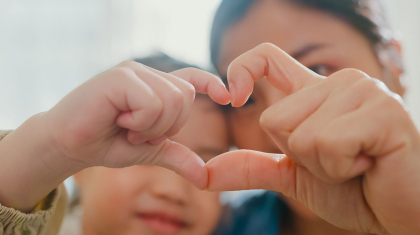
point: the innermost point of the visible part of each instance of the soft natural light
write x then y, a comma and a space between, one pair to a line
49, 47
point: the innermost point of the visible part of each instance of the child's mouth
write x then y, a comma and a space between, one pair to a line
163, 223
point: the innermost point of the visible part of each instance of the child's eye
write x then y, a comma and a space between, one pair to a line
321, 70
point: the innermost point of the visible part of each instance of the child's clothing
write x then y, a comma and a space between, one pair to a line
261, 215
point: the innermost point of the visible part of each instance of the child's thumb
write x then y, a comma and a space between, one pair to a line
184, 162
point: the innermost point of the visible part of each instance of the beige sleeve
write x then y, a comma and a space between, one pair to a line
46, 221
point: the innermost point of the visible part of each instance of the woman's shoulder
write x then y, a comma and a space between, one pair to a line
260, 214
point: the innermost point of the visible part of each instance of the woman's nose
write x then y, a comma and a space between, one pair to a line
171, 187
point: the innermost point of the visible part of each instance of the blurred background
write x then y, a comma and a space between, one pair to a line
48, 47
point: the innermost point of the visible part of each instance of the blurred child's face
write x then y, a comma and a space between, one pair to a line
154, 200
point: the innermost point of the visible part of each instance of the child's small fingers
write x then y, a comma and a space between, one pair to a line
169, 122
188, 95
177, 97
205, 83
139, 106
172, 98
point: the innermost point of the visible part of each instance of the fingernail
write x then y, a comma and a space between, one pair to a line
232, 91
158, 140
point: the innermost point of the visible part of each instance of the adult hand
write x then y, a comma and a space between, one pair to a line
352, 151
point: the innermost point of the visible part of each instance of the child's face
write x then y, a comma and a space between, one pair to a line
154, 200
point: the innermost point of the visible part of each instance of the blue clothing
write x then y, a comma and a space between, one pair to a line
259, 215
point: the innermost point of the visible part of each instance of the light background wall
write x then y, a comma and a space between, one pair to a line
48, 47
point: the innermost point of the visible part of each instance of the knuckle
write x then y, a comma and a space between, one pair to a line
329, 157
177, 99
128, 64
324, 142
187, 69
332, 173
156, 107
173, 131
271, 121
301, 144
366, 86
267, 121
294, 144
267, 46
351, 74
370, 83
122, 73
355, 73
392, 104
189, 91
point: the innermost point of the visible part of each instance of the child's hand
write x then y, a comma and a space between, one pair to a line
117, 119
353, 153
124, 116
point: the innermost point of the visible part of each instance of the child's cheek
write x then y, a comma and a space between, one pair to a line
110, 197
209, 212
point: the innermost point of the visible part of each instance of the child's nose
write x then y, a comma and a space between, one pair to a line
171, 187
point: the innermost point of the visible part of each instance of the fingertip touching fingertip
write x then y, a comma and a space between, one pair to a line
232, 91
202, 182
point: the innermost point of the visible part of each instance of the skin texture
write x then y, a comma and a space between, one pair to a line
317, 123
336, 165
120, 118
113, 198
343, 47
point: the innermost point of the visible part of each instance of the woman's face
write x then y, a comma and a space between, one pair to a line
320, 41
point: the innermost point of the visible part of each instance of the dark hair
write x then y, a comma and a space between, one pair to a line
163, 62
367, 16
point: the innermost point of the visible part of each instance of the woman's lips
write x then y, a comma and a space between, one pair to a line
163, 223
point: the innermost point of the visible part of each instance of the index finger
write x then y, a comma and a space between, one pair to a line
205, 83
267, 60
247, 169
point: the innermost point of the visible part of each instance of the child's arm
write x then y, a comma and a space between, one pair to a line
117, 119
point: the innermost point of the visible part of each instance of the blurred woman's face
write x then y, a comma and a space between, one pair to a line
320, 41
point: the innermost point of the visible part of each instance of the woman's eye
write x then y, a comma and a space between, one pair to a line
249, 102
321, 70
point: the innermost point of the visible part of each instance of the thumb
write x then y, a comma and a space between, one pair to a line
267, 60
183, 161
246, 169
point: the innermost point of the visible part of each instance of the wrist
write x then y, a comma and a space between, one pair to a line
31, 167
48, 147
